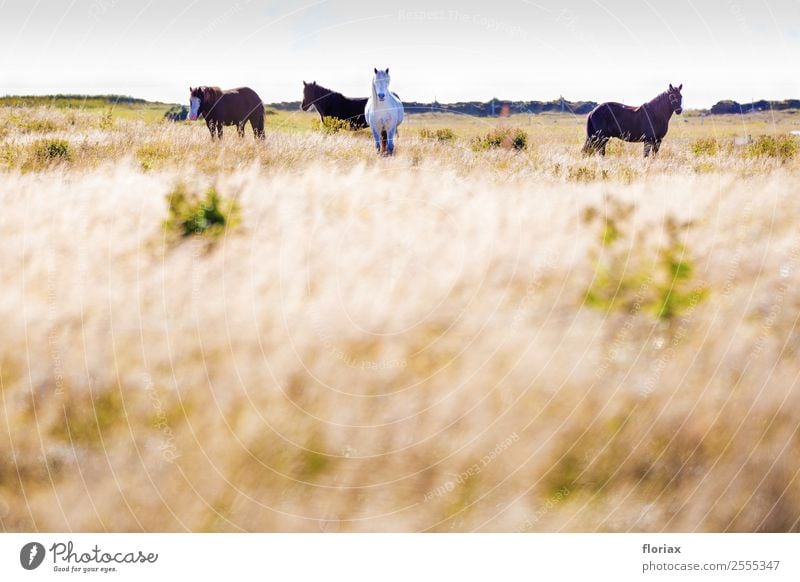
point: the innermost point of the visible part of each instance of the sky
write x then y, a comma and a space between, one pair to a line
618, 50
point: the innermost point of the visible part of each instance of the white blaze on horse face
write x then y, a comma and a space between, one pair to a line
194, 107
381, 84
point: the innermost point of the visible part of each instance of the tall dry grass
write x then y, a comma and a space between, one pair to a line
395, 344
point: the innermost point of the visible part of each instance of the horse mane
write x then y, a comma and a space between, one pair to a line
211, 94
321, 92
660, 99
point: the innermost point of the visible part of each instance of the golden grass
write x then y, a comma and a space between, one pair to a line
397, 344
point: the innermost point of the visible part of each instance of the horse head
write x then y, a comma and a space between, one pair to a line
675, 98
199, 97
380, 83
309, 95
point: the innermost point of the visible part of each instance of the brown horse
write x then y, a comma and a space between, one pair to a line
232, 107
647, 123
332, 104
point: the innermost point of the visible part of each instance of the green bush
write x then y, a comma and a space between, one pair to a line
585, 174
209, 214
631, 282
502, 137
705, 146
443, 134
330, 125
28, 124
56, 150
107, 121
152, 155
783, 147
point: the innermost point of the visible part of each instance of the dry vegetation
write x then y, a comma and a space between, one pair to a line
297, 335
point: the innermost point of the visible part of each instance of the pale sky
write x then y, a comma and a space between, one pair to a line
618, 50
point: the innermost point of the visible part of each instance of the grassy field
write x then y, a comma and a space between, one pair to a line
298, 335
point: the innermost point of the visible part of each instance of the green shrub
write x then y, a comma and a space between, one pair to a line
209, 214
705, 146
704, 168
56, 150
502, 137
107, 121
330, 125
632, 282
783, 147
32, 124
443, 134
585, 174
152, 155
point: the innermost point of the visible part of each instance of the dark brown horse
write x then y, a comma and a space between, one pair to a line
332, 104
647, 123
232, 107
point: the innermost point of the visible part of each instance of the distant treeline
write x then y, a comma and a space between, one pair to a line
71, 100
494, 107
728, 107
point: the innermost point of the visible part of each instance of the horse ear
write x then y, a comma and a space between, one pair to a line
305, 84
671, 87
680, 86
376, 70
387, 70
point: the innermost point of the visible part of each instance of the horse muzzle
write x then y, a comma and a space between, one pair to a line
679, 110
193, 117
381, 96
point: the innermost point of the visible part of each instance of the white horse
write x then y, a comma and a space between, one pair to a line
384, 112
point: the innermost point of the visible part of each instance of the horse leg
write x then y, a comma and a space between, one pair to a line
377, 137
240, 128
390, 141
384, 139
656, 145
211, 128
602, 146
647, 146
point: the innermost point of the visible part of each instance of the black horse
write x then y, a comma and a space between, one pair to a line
232, 107
647, 123
332, 104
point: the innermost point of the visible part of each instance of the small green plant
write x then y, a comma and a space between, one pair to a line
8, 156
107, 121
56, 150
501, 137
209, 214
782, 147
443, 134
623, 280
705, 146
704, 168
585, 174
152, 155
330, 125
27, 124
